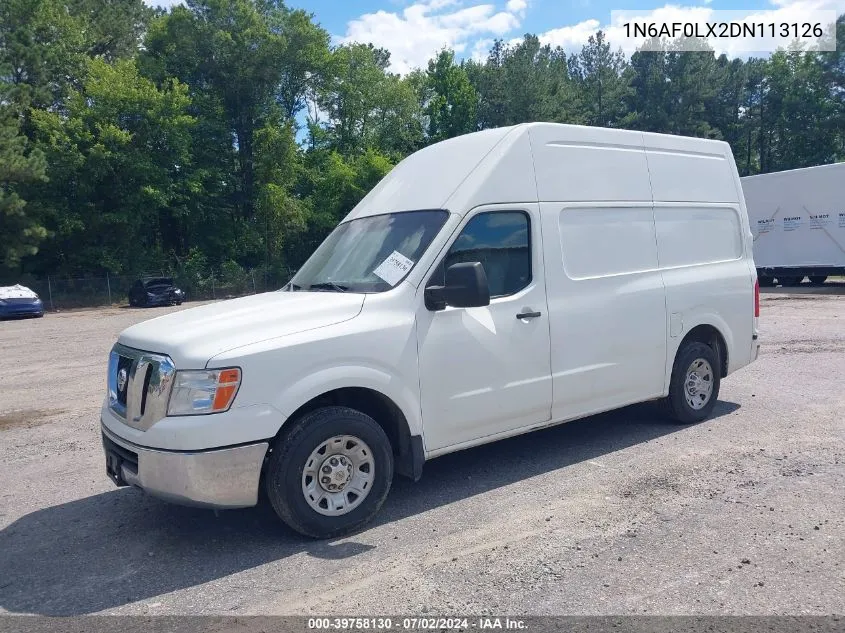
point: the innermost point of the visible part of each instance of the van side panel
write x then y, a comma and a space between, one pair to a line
575, 163
607, 311
702, 247
691, 234
707, 279
686, 169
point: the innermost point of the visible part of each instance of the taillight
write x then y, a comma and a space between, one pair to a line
756, 297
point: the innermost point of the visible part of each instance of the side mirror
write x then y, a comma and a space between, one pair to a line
466, 287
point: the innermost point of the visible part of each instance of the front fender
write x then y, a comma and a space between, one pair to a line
340, 376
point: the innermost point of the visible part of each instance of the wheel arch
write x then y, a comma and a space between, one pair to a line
711, 336
408, 448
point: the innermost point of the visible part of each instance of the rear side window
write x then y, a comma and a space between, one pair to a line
687, 236
501, 241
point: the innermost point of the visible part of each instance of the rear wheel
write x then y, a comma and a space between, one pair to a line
818, 280
766, 282
694, 387
330, 473
790, 281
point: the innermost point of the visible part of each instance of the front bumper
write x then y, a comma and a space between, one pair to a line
160, 300
21, 310
216, 478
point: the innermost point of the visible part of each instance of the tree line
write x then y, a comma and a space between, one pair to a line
230, 134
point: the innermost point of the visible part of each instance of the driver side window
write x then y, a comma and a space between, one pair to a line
501, 241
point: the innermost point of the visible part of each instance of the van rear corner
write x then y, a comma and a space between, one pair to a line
755, 322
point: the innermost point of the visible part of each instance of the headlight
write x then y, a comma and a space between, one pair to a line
204, 391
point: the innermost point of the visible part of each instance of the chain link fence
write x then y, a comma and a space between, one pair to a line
65, 293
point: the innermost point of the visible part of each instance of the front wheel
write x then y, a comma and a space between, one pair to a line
818, 280
330, 473
694, 388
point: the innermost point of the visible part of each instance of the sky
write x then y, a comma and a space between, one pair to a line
414, 30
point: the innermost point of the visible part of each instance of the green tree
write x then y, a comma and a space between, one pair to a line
803, 112
525, 82
693, 83
239, 58
366, 106
115, 201
44, 43
603, 84
41, 46
282, 215
20, 232
451, 102
833, 69
649, 98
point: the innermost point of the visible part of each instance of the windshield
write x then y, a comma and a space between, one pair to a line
158, 282
370, 254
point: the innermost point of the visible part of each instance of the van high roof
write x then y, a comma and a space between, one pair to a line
522, 163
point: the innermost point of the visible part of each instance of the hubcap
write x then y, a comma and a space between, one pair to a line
335, 473
338, 475
698, 387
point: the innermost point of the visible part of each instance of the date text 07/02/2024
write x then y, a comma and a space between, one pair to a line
415, 624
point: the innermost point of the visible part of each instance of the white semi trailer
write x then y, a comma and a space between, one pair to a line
798, 223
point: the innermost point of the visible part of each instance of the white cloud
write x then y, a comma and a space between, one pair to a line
571, 37
418, 32
442, 4
517, 6
481, 49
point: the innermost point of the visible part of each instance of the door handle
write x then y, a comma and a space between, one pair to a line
528, 315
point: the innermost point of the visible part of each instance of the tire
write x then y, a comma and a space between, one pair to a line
790, 281
693, 356
818, 280
294, 453
766, 282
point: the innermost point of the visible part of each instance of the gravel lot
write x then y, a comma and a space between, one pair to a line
617, 514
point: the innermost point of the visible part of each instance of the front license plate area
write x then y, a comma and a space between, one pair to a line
113, 468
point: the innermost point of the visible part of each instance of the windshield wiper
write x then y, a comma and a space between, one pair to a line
328, 285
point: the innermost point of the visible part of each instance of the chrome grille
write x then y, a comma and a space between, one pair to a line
140, 398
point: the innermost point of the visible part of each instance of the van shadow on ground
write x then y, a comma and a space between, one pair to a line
121, 546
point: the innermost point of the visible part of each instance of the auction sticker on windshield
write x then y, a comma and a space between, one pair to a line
393, 268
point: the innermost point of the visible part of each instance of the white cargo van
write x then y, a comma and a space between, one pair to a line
798, 224
490, 285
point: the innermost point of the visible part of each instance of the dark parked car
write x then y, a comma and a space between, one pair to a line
19, 301
155, 291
